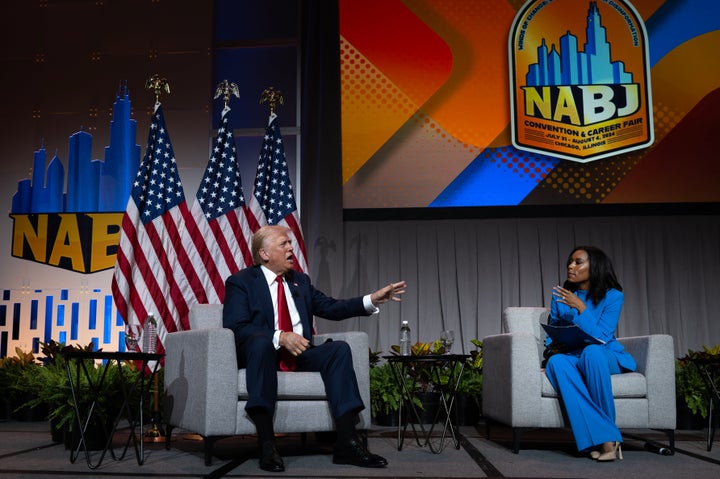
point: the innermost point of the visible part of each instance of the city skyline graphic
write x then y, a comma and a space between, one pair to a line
569, 66
92, 185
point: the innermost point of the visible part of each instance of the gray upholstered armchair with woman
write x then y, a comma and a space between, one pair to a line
592, 299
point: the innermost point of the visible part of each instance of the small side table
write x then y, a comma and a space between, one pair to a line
445, 372
130, 410
711, 369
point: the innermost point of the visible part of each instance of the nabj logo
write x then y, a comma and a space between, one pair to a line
579, 79
72, 221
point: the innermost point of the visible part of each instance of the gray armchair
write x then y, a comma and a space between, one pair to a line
517, 393
206, 393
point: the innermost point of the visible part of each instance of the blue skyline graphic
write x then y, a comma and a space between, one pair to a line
92, 185
593, 66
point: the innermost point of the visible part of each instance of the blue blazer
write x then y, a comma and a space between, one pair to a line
248, 309
599, 321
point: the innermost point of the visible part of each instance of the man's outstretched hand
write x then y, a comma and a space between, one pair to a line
390, 292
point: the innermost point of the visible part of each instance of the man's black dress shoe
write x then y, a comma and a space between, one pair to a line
270, 460
353, 452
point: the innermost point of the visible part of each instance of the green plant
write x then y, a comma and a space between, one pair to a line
421, 349
374, 357
385, 394
12, 372
690, 381
51, 386
471, 381
420, 373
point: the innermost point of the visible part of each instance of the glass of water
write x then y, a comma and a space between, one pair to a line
132, 336
447, 338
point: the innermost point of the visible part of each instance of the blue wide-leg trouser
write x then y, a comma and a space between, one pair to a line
583, 382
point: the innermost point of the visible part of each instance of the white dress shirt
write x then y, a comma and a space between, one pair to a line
271, 277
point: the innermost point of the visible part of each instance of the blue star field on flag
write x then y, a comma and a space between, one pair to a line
157, 187
221, 187
273, 189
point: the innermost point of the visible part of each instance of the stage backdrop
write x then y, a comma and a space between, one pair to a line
426, 112
69, 66
75, 123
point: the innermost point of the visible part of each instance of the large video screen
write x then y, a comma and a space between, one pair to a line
426, 109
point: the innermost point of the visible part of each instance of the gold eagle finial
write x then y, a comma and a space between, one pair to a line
226, 89
157, 85
272, 96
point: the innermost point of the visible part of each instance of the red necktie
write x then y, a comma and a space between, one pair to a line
287, 360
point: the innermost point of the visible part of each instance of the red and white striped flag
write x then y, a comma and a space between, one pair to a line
219, 211
154, 272
273, 200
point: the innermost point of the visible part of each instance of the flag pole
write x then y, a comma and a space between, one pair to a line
273, 97
226, 90
157, 85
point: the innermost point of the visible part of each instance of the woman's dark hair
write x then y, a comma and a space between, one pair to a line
602, 274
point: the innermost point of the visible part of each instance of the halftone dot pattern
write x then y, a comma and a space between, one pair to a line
590, 182
367, 87
664, 119
372, 105
523, 164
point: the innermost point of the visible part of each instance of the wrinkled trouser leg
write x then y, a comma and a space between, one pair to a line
334, 361
583, 382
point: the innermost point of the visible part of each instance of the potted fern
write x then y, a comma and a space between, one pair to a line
52, 386
691, 385
425, 379
385, 395
18, 401
469, 392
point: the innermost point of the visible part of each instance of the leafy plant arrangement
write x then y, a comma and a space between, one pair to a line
471, 381
374, 357
12, 372
52, 386
385, 395
690, 378
418, 372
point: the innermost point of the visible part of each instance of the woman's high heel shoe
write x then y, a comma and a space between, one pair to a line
611, 455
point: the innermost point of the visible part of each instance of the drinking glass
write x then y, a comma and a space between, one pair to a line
132, 336
447, 338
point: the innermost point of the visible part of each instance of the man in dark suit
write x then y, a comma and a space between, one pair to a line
251, 311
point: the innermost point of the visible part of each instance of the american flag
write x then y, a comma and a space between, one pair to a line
154, 273
219, 211
273, 201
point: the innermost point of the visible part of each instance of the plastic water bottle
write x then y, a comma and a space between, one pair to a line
405, 339
150, 334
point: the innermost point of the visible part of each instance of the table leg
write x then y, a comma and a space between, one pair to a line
447, 398
135, 417
83, 425
711, 428
714, 397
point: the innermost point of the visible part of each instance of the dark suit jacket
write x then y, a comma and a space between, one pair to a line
248, 309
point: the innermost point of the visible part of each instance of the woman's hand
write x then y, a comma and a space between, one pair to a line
565, 296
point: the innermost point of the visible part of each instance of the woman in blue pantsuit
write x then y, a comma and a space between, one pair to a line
592, 299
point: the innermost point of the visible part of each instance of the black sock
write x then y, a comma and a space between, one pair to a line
345, 427
263, 424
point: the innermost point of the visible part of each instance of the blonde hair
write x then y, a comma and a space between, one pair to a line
260, 238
